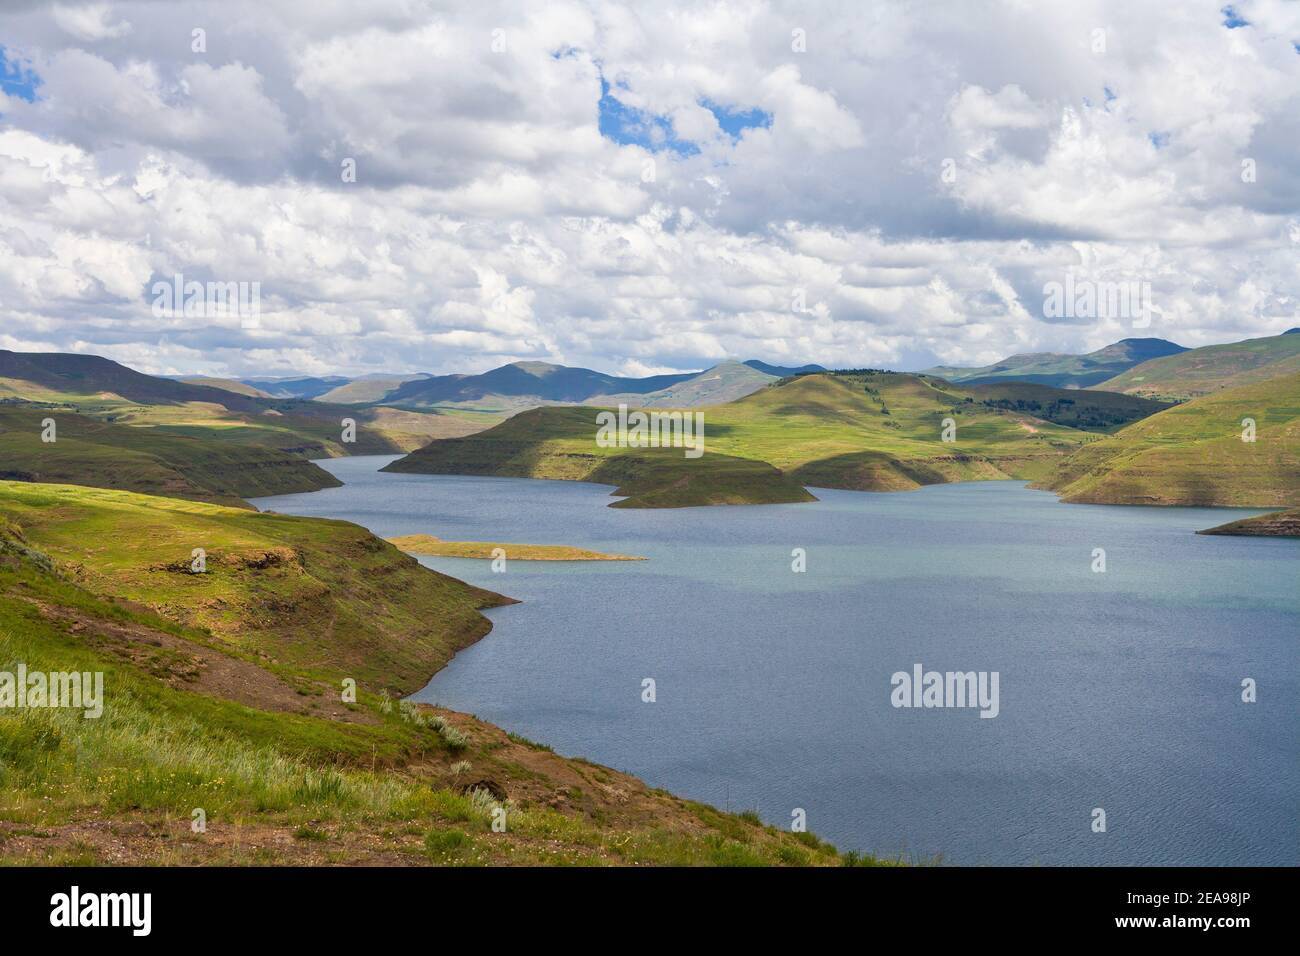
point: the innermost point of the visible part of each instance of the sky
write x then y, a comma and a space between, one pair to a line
641, 188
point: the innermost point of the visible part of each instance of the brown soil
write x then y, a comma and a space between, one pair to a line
187, 665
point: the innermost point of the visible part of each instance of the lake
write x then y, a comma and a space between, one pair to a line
1118, 690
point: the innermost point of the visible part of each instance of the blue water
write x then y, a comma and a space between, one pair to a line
1118, 690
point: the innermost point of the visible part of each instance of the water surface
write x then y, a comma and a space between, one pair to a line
1118, 690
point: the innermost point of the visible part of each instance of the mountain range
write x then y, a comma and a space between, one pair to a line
512, 388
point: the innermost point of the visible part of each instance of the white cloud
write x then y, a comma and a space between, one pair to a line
490, 220
89, 21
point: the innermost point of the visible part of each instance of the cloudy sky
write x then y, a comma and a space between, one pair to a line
641, 187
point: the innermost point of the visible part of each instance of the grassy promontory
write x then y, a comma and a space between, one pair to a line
1279, 524
227, 699
427, 544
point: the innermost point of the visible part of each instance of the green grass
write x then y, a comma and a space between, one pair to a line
1193, 454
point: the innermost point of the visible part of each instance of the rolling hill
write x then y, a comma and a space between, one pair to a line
1211, 368
867, 430
1060, 369
1193, 454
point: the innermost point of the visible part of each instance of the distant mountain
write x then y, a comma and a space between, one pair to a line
521, 385
781, 371
229, 384
369, 388
1062, 370
1212, 368
715, 386
296, 387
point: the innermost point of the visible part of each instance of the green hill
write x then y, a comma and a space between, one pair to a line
223, 691
1193, 454
1061, 369
91, 452
1212, 368
864, 430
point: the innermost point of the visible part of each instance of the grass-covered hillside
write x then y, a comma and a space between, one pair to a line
223, 701
1212, 368
90, 452
97, 388
858, 430
294, 589
1193, 454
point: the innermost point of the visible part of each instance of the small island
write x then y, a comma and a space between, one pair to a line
428, 545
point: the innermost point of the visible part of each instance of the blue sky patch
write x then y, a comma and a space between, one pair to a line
16, 79
633, 127
1158, 140
1232, 19
735, 121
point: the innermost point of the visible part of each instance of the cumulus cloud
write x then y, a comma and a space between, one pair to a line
426, 186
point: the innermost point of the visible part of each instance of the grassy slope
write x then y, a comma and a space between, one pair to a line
292, 588
90, 452
245, 722
1212, 368
1192, 454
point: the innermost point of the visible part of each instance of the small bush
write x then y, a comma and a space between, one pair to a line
445, 842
